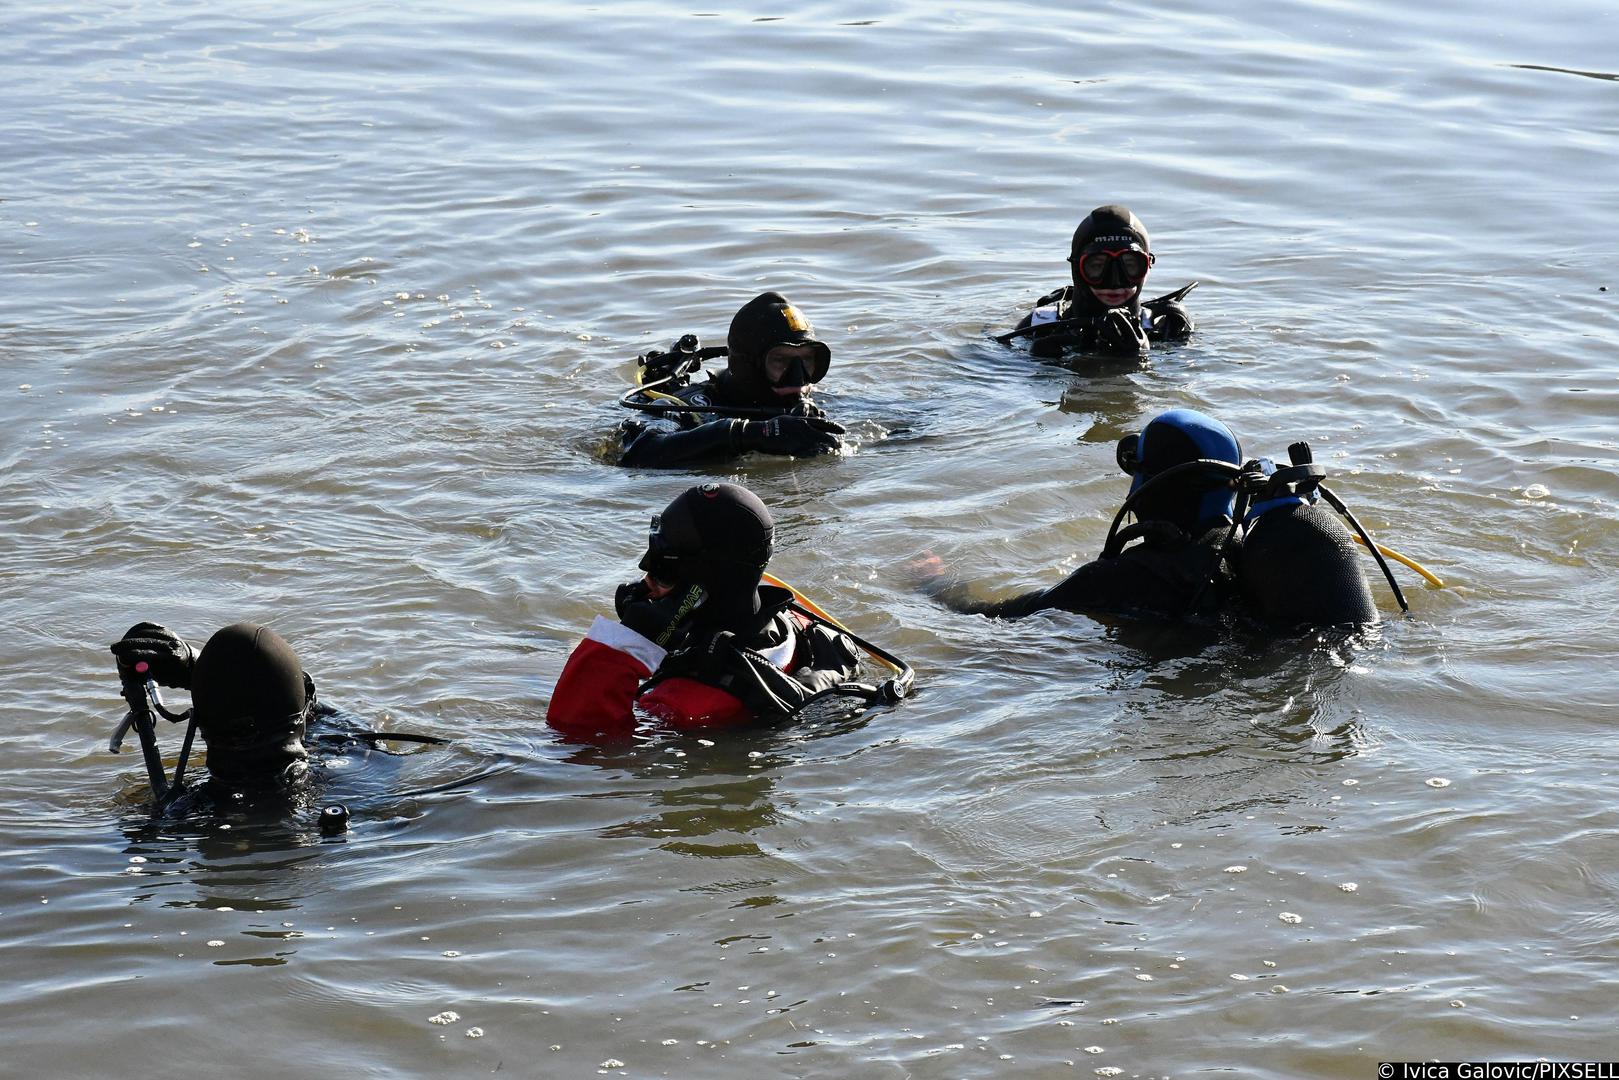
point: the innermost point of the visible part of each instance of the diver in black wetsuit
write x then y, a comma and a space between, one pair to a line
760, 402
1102, 311
252, 702
1211, 535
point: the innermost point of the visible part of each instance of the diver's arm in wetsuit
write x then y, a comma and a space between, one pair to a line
646, 447
675, 438
1085, 590
1049, 308
1155, 580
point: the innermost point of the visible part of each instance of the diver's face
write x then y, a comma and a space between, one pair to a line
780, 360
1112, 297
655, 588
1114, 275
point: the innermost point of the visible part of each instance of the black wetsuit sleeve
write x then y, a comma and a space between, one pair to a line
1095, 587
1153, 580
645, 447
1134, 583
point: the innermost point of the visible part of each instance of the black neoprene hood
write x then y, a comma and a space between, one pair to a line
1114, 226
250, 695
719, 536
764, 322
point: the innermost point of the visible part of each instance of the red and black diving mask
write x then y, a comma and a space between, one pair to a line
1102, 267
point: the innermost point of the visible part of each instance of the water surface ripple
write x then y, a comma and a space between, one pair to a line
315, 315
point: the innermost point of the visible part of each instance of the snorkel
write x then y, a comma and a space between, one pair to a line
145, 703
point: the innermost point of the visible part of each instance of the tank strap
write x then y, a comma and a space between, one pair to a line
1267, 505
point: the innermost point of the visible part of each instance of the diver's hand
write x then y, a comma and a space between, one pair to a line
798, 436
167, 657
1170, 319
927, 574
1120, 332
657, 618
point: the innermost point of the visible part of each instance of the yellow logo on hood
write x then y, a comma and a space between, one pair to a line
795, 319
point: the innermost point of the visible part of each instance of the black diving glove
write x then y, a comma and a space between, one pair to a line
1171, 320
1120, 332
167, 657
797, 436
662, 619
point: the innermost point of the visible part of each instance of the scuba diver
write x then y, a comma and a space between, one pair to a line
1213, 534
761, 401
251, 700
1102, 311
706, 639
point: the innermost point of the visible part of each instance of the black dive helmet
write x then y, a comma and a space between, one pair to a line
1114, 231
252, 700
1182, 465
763, 323
719, 536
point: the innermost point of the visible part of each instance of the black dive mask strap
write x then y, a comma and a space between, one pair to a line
1222, 472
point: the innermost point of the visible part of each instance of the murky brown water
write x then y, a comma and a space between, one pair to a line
317, 317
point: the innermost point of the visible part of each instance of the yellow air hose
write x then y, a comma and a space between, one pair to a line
811, 606
1405, 560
